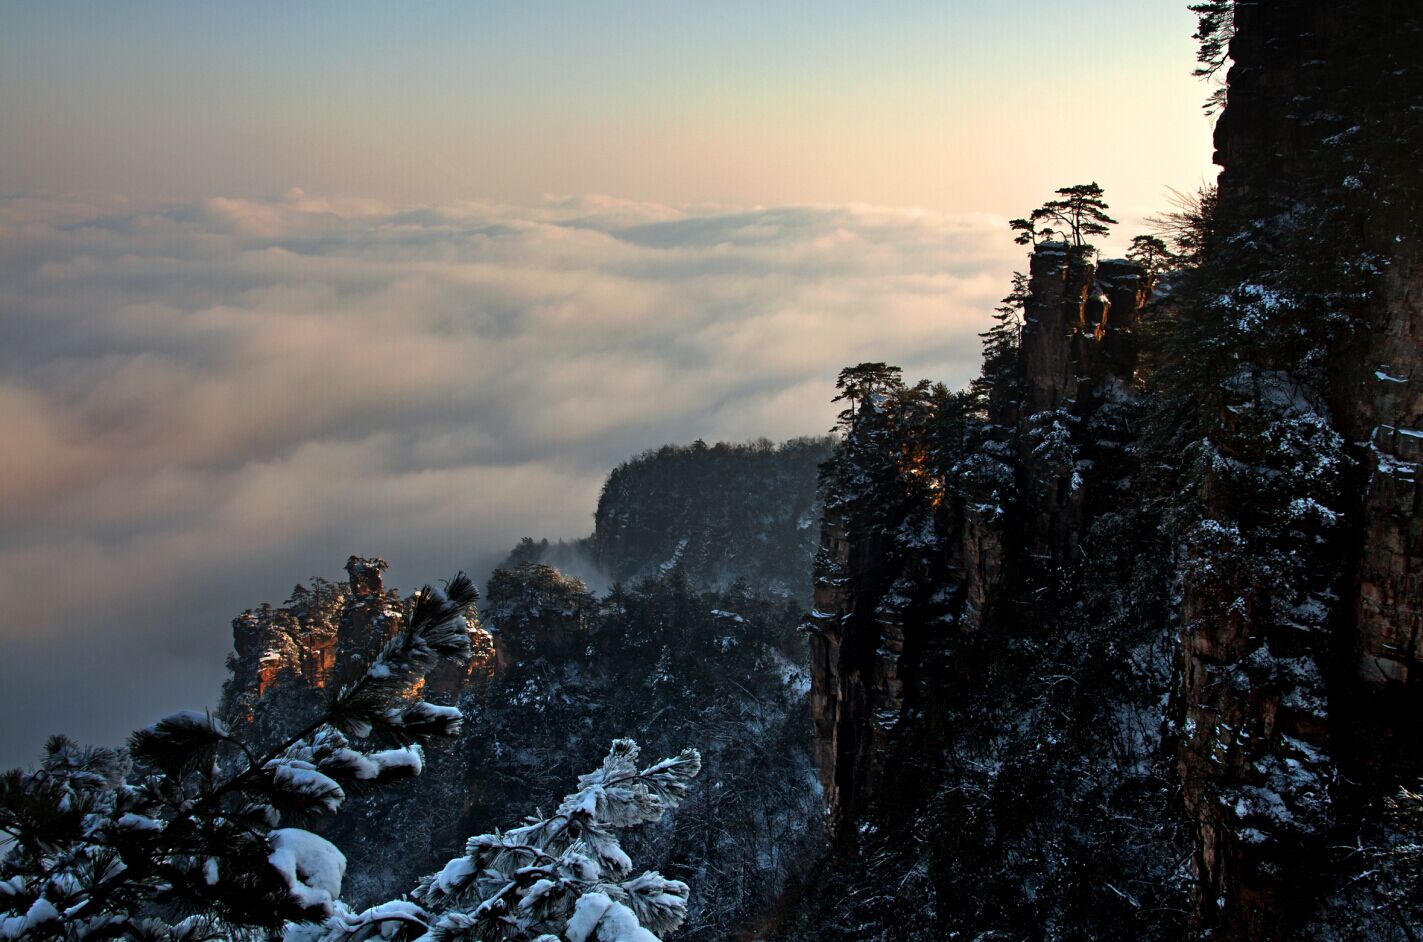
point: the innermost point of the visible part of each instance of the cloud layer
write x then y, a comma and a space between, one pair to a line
202, 404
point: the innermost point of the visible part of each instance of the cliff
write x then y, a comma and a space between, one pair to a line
717, 513
325, 633
982, 688
562, 670
534, 610
1163, 557
1301, 705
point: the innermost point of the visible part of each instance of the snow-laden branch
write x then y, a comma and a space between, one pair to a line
560, 877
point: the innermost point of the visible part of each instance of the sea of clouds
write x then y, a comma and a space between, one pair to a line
203, 404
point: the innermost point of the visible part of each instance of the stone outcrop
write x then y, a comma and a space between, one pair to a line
325, 634
1079, 351
1388, 643
718, 513
1254, 757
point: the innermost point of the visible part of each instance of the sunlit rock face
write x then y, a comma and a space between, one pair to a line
325, 633
297, 641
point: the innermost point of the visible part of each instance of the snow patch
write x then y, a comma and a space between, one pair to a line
597, 917
311, 866
454, 875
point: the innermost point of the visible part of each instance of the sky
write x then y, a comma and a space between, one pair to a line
280, 282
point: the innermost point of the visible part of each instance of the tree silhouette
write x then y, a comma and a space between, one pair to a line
857, 384
1077, 214
1152, 254
1215, 28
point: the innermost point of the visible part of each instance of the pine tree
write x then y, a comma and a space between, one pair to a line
1152, 254
1187, 228
865, 383
1000, 345
1215, 28
1080, 211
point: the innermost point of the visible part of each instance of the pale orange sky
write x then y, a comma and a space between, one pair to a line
950, 106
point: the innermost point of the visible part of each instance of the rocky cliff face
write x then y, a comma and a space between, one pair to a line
1302, 71
534, 610
1296, 699
718, 512
1389, 416
910, 566
1252, 482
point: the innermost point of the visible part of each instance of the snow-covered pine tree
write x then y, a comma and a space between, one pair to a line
190, 834
562, 878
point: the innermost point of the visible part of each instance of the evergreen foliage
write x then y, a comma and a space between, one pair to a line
1215, 28
663, 660
1032, 780
1033, 790
1152, 254
534, 609
1079, 212
669, 663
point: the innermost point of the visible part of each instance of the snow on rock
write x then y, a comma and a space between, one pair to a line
676, 557
311, 866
